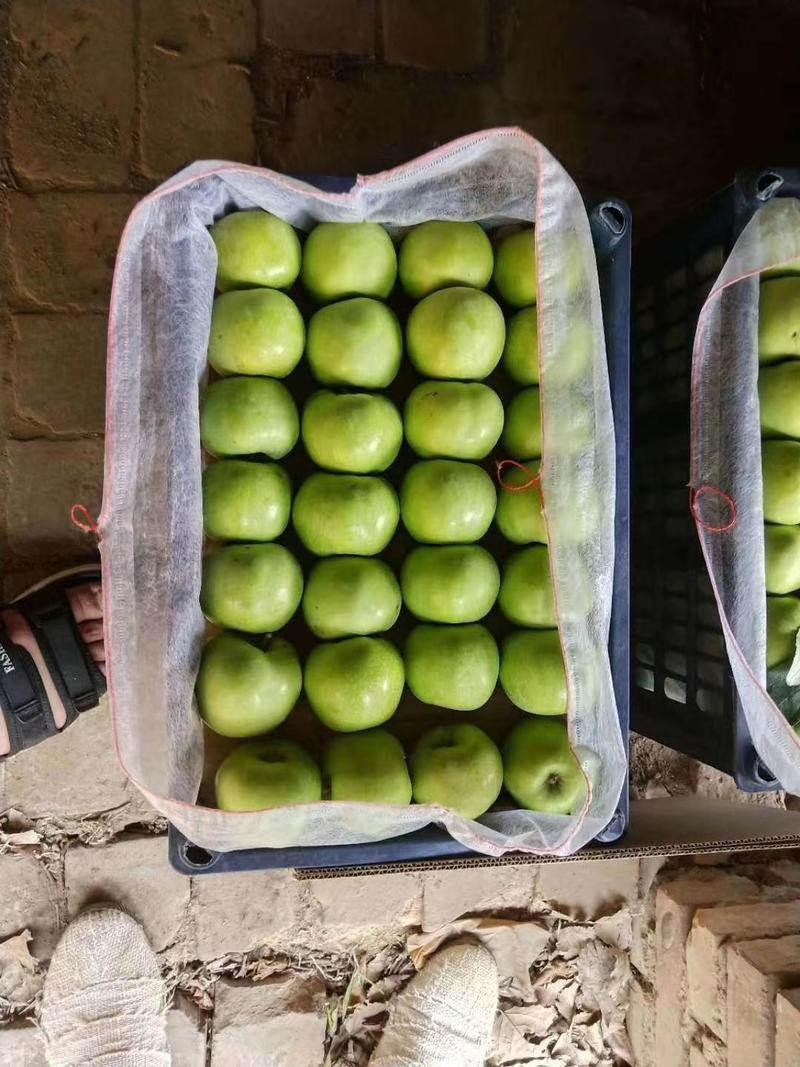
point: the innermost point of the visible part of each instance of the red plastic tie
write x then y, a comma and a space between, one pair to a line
534, 482
84, 520
719, 495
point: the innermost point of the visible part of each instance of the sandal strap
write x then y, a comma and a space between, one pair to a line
23, 699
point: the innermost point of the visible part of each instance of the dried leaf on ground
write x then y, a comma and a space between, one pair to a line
20, 980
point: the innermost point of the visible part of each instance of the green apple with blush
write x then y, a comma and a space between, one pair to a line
345, 514
526, 591
358, 433
255, 331
354, 684
255, 248
244, 689
344, 259
367, 768
451, 666
515, 268
347, 595
436, 255
540, 770
782, 558
783, 622
253, 588
243, 416
457, 767
456, 333
779, 319
532, 671
245, 501
780, 467
445, 501
355, 342
267, 773
449, 583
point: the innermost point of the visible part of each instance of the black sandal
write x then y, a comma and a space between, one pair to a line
80, 683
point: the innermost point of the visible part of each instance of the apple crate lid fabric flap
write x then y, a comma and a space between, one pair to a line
152, 523
726, 481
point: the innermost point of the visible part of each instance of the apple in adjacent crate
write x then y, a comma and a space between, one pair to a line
243, 416
368, 768
355, 683
253, 588
456, 333
255, 248
522, 435
451, 666
780, 466
355, 432
244, 690
782, 558
519, 515
267, 773
515, 268
436, 255
456, 420
779, 319
445, 501
450, 583
526, 591
347, 595
245, 501
345, 514
457, 767
255, 331
343, 259
521, 352
540, 771
355, 342
783, 622
532, 671
779, 399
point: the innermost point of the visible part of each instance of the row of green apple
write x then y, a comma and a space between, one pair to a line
779, 401
457, 767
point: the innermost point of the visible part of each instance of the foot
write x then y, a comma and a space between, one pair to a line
84, 601
445, 1015
104, 999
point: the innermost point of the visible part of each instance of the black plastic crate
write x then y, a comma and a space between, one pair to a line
684, 694
610, 222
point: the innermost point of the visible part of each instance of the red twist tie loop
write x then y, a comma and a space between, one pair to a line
84, 520
534, 480
719, 497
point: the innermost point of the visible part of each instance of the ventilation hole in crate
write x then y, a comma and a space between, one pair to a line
675, 635
645, 628
767, 184
710, 700
614, 219
675, 662
675, 690
645, 679
198, 858
645, 654
711, 672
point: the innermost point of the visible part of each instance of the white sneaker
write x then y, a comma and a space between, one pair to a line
445, 1015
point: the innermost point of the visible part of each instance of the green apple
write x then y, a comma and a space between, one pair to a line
255, 248
526, 592
457, 767
444, 501
532, 671
242, 416
355, 432
450, 583
245, 501
367, 768
343, 259
452, 666
436, 255
782, 558
348, 595
780, 466
783, 622
255, 331
267, 773
779, 319
254, 588
779, 399
515, 268
540, 771
461, 420
519, 515
521, 353
243, 690
355, 342
522, 436
345, 514
456, 333
354, 684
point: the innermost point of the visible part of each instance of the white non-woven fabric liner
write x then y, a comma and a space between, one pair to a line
726, 469
151, 524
